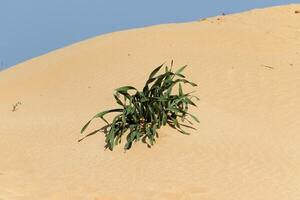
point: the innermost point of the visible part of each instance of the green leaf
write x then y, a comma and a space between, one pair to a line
155, 71
150, 81
125, 89
85, 126
101, 114
90, 134
180, 75
150, 135
180, 90
127, 145
180, 70
146, 89
166, 69
164, 118
190, 102
118, 100
186, 81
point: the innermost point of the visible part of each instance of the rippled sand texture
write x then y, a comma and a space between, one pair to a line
247, 146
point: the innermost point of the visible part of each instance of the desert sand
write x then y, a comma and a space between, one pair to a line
247, 146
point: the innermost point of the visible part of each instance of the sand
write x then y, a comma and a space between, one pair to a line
247, 146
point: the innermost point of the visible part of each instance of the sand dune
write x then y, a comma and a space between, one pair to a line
247, 146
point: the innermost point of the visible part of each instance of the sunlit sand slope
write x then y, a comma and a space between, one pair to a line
247, 146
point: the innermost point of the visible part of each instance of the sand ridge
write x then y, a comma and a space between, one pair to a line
247, 67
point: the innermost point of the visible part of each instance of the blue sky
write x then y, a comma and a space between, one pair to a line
29, 28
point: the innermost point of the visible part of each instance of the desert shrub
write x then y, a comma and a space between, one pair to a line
142, 113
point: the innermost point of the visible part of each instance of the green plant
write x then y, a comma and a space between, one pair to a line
143, 112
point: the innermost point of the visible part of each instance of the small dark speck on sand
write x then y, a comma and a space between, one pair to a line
270, 67
297, 11
16, 106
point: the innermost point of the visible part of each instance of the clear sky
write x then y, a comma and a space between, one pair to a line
29, 28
